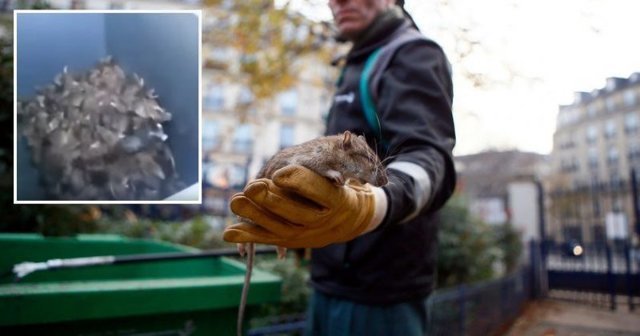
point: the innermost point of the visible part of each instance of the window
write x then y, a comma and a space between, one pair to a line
592, 134
568, 141
288, 102
610, 129
569, 165
243, 139
630, 97
567, 116
616, 204
593, 158
592, 110
210, 136
220, 54
288, 32
214, 98
207, 167
615, 181
613, 156
237, 176
302, 33
631, 123
633, 152
611, 104
245, 97
287, 133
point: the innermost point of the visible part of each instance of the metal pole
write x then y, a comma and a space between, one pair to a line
535, 276
636, 216
610, 277
541, 219
627, 259
25, 268
542, 275
634, 197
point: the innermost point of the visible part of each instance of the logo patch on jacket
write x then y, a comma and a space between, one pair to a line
344, 98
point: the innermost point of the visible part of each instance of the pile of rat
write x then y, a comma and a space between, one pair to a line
98, 135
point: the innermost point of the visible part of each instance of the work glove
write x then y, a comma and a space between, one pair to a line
298, 208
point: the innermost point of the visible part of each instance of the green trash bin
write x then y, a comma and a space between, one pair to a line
180, 297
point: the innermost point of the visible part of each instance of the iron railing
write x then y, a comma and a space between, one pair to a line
479, 309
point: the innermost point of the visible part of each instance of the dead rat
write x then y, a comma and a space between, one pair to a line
337, 157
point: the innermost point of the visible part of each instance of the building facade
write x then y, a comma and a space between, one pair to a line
596, 149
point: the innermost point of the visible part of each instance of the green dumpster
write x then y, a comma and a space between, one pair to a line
180, 297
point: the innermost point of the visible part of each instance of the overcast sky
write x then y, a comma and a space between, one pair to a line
566, 46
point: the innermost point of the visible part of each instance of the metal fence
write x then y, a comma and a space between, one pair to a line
592, 257
479, 309
586, 272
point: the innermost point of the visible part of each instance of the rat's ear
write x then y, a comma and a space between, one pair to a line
346, 141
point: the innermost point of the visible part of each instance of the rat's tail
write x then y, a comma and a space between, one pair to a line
245, 288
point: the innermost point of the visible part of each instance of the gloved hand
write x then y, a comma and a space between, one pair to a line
299, 208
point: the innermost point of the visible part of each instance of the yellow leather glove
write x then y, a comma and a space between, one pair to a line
299, 208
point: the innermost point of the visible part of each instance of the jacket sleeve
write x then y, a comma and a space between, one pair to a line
415, 107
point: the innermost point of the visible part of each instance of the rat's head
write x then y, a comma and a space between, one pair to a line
359, 161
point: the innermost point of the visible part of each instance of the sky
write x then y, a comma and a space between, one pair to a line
552, 48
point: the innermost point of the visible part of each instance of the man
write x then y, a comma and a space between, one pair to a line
374, 256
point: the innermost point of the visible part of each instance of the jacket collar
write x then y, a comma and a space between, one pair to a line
378, 33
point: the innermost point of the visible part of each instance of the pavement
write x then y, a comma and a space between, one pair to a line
553, 317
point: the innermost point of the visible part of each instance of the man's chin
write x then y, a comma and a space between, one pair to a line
348, 31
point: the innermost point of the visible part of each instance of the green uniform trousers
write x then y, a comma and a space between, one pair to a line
331, 316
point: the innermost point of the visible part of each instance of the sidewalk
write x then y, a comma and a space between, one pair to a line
562, 318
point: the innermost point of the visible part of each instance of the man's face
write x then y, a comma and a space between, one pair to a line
353, 16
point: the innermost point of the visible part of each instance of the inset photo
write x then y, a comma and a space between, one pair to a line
107, 107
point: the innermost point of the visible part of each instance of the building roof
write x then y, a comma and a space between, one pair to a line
613, 84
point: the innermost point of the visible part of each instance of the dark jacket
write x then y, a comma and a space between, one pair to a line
397, 261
